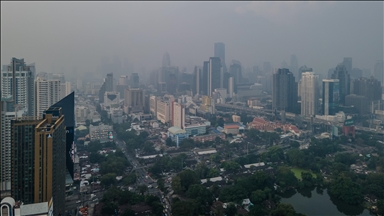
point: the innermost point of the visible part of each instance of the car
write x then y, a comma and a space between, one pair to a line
78, 201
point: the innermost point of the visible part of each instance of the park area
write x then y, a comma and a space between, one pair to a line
297, 171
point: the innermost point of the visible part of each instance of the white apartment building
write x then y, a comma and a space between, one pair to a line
178, 115
111, 98
163, 111
309, 93
65, 89
153, 105
47, 93
24, 78
6, 144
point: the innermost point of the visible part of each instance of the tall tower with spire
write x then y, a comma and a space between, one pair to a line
166, 60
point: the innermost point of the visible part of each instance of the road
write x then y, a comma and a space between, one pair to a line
142, 176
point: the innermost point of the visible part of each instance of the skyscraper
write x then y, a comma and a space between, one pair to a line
342, 75
38, 168
236, 73
303, 69
309, 93
214, 74
219, 51
134, 101
197, 80
379, 72
17, 80
7, 113
178, 115
107, 86
109, 83
347, 62
369, 88
294, 67
231, 87
284, 91
134, 80
47, 92
204, 83
331, 96
166, 60
67, 105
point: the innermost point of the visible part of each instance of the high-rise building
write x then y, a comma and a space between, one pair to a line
309, 93
331, 96
17, 80
379, 72
342, 75
123, 80
347, 62
294, 67
134, 80
214, 74
219, 51
163, 111
369, 88
109, 83
79, 84
153, 105
47, 93
204, 86
197, 80
284, 93
169, 76
7, 113
303, 69
107, 86
112, 99
134, 100
166, 60
67, 105
235, 71
59, 77
38, 168
65, 89
359, 102
178, 115
231, 87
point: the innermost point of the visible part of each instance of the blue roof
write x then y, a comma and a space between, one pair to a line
216, 131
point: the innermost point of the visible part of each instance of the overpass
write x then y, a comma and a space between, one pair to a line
290, 116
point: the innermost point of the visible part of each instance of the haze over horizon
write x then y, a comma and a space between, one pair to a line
61, 36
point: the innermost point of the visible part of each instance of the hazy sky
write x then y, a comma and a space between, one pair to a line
78, 34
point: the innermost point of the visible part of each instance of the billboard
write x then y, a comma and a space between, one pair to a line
110, 135
348, 122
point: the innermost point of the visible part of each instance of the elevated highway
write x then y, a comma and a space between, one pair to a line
290, 116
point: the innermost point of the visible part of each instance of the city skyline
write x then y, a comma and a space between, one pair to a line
268, 38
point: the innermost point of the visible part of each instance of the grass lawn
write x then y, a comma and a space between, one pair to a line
297, 172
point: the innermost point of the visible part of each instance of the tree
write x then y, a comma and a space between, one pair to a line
380, 207
187, 178
160, 183
258, 197
96, 158
142, 189
284, 210
213, 172
130, 179
108, 179
285, 177
231, 210
182, 208
176, 185
345, 189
